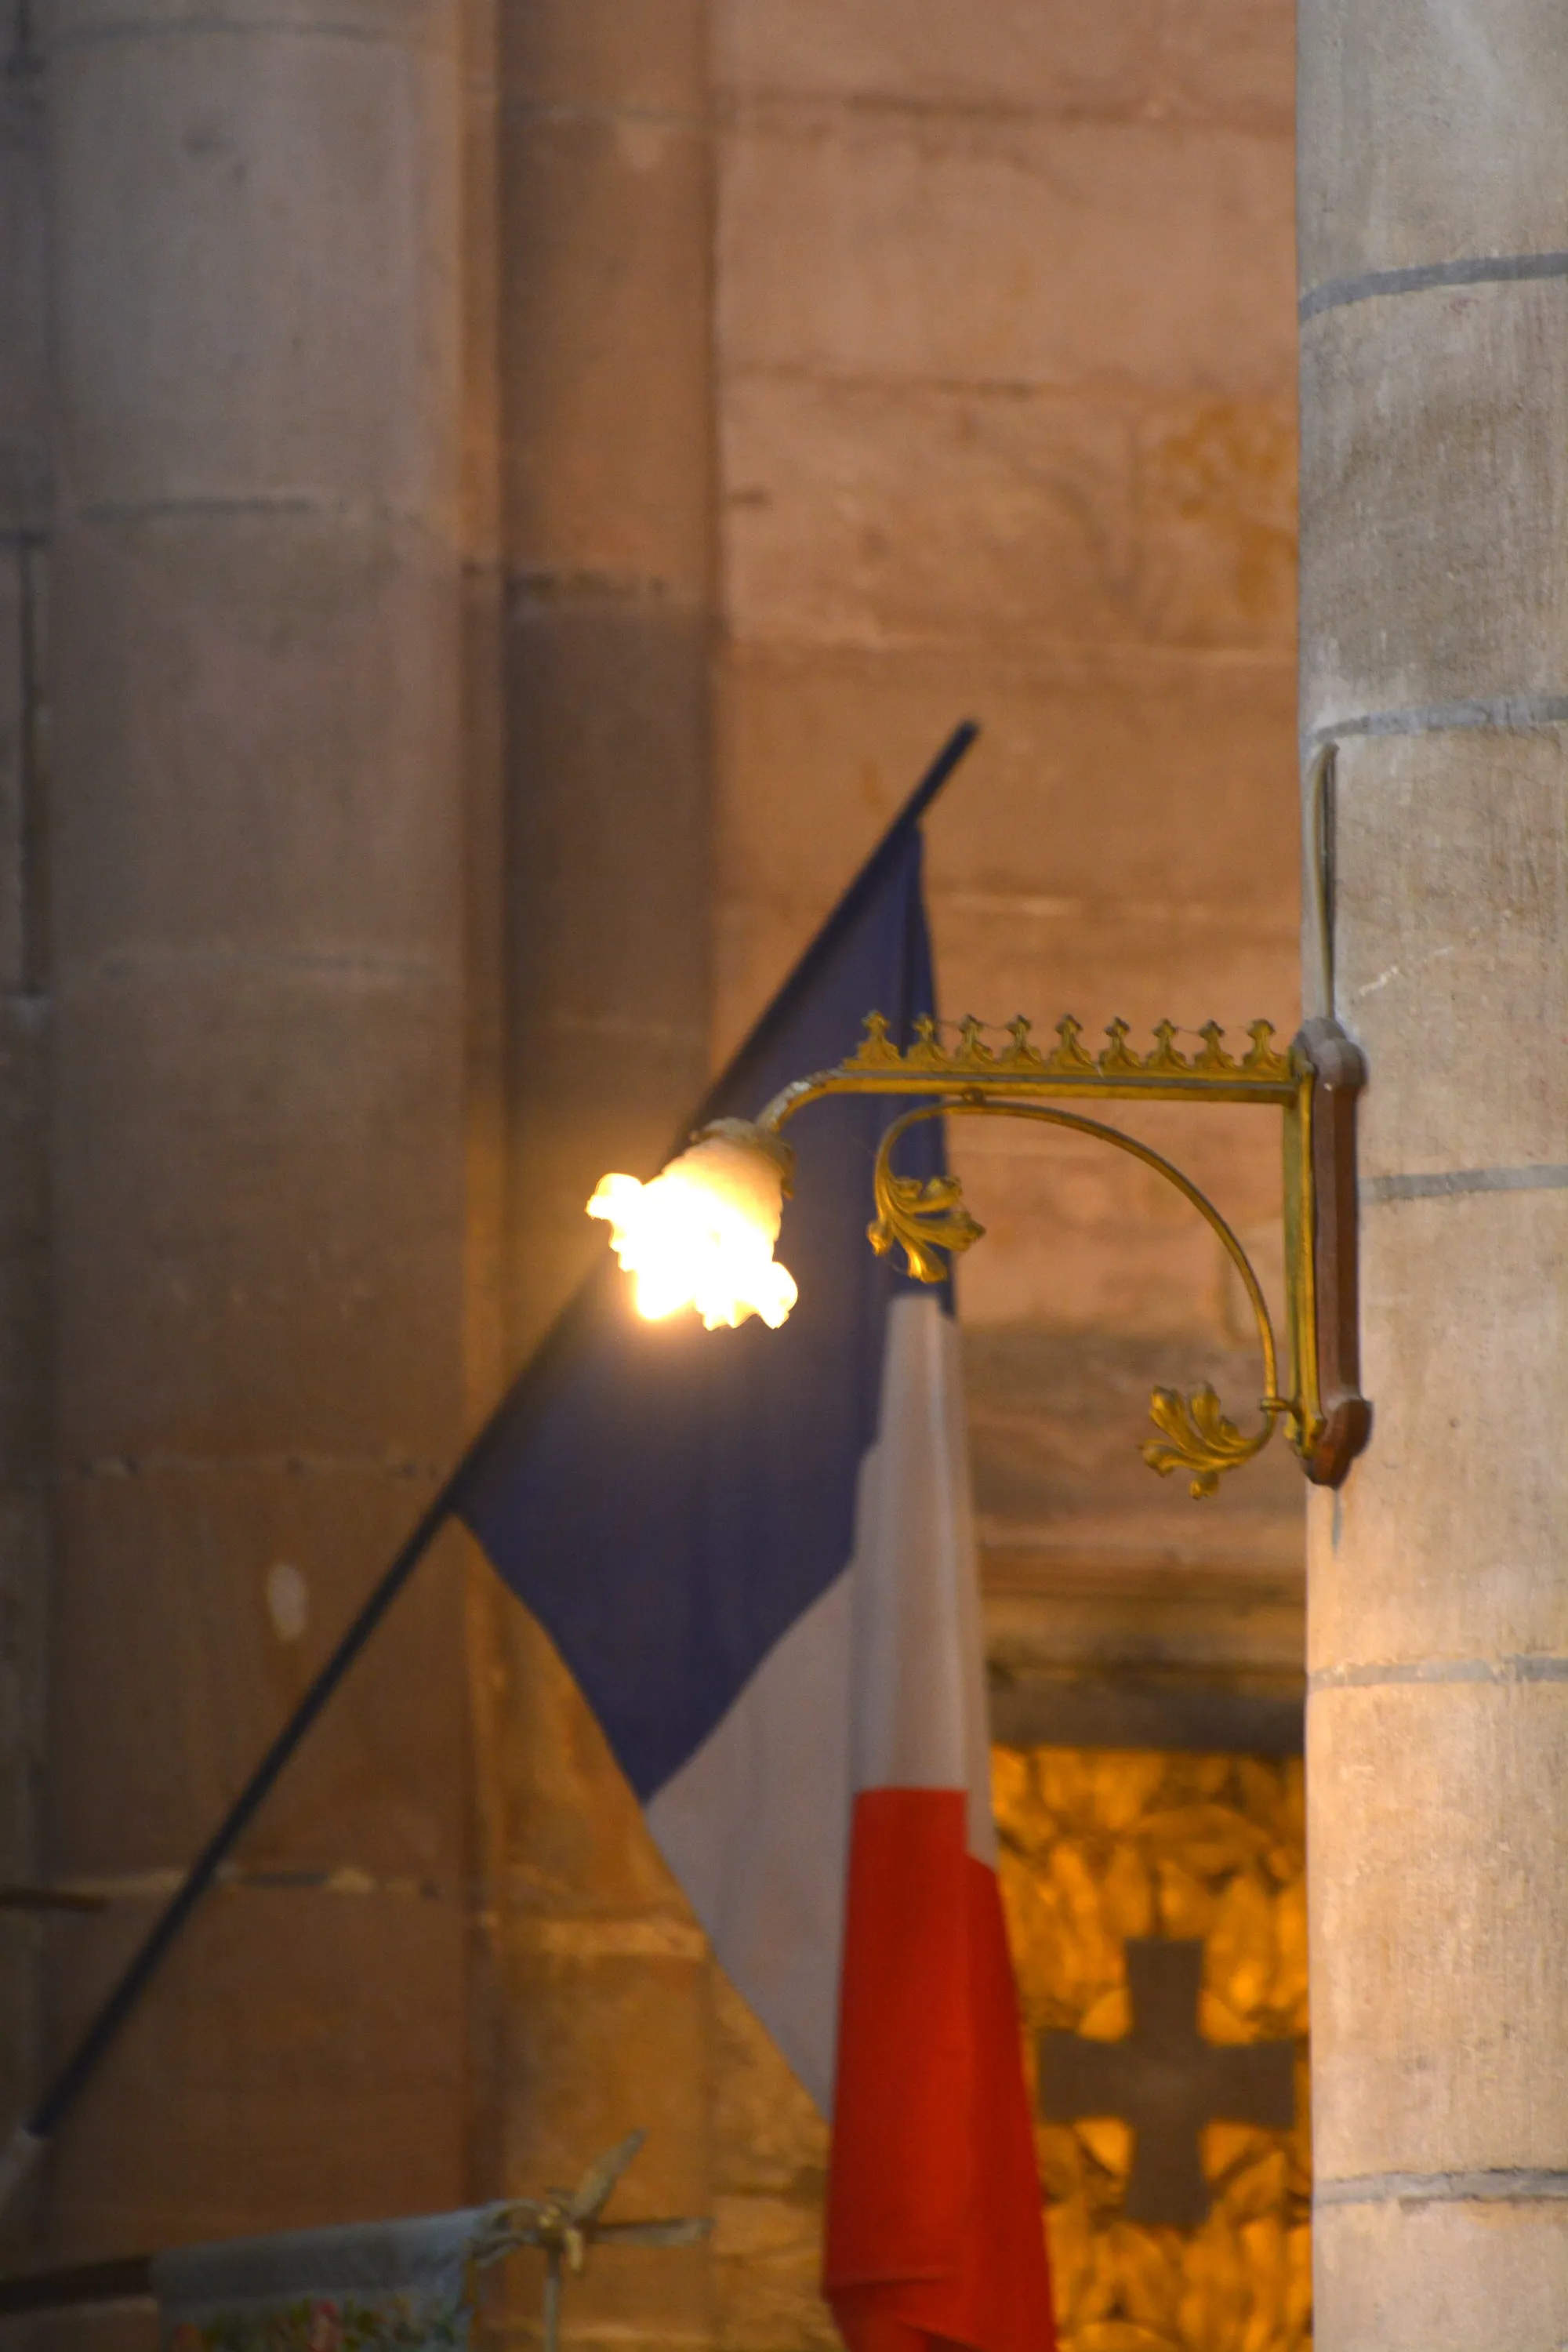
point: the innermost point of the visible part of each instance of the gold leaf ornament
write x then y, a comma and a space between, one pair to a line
877, 1050
1116, 1061
1242, 1955
973, 1052
1069, 1059
1166, 1060
927, 1215
1199, 1437
1012, 1799
926, 1053
1150, 2266
1214, 1057
1263, 1061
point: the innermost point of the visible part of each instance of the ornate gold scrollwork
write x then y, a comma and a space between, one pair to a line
924, 1216
1200, 1438
1315, 1084
927, 1216
1167, 1068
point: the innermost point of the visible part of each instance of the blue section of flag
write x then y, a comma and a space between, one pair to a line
670, 1500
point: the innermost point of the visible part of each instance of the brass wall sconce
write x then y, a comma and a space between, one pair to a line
718, 1206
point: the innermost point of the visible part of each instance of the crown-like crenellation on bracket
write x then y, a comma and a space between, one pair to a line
1069, 1058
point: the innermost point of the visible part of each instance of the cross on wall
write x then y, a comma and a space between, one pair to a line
1167, 2081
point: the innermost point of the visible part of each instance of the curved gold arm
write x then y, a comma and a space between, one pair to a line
925, 1217
1315, 1084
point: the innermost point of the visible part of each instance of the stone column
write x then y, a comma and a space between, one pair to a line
1434, 238
606, 472
259, 1161
606, 466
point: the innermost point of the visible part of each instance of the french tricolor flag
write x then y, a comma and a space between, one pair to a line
754, 1550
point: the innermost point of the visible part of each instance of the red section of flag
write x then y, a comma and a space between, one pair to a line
935, 2234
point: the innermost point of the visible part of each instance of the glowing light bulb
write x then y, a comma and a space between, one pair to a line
702, 1233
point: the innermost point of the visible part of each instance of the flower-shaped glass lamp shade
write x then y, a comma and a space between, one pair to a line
702, 1233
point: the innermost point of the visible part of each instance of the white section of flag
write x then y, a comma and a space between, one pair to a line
919, 1701
756, 1829
878, 1685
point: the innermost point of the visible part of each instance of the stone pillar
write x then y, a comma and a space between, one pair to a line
606, 472
606, 179
1434, 238
259, 1149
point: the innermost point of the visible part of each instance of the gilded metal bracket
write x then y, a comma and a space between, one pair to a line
1314, 1085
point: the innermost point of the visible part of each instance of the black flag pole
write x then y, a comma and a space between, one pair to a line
29, 2139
